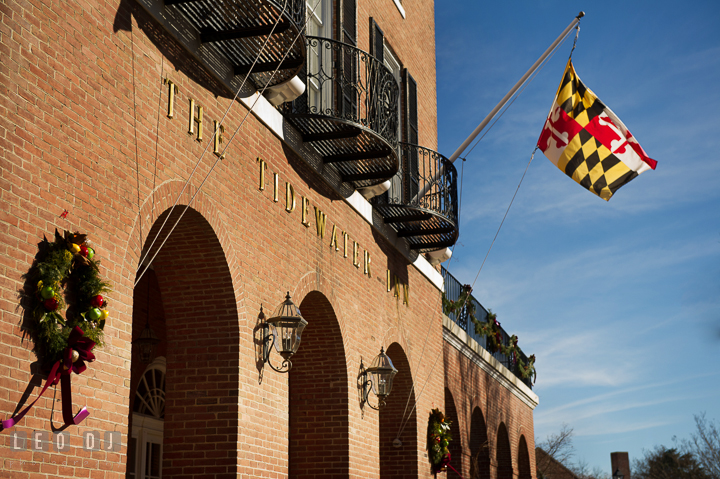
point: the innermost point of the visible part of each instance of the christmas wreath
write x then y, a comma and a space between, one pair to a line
65, 273
438, 438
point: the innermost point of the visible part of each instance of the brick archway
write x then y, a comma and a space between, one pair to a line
194, 293
524, 471
399, 462
455, 448
319, 396
503, 454
479, 447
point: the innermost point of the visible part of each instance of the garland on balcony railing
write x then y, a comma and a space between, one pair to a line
491, 330
463, 300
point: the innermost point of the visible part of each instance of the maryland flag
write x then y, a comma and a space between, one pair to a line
587, 141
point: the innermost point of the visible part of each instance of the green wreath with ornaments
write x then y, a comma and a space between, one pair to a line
66, 274
438, 441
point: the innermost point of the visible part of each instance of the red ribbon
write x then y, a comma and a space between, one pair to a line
84, 348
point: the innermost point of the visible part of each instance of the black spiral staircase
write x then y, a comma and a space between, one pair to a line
421, 204
237, 30
349, 111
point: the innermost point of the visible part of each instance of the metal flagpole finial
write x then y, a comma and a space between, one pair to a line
580, 15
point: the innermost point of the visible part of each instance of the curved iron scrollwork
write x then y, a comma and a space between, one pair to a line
346, 83
295, 9
424, 170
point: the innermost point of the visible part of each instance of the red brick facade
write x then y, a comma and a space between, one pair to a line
84, 128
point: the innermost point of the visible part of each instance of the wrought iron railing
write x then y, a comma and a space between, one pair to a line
428, 170
453, 289
347, 84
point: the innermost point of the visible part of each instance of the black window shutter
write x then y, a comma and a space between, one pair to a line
377, 41
347, 95
347, 23
411, 134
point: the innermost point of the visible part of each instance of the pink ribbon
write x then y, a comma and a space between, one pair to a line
84, 348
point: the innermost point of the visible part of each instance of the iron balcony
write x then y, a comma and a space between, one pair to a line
349, 111
238, 29
428, 222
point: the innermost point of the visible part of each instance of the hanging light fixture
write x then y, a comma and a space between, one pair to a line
148, 339
283, 330
378, 377
617, 474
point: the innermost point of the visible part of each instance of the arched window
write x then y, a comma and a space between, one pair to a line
150, 394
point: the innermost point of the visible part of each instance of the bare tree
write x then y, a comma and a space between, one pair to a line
704, 444
558, 447
582, 470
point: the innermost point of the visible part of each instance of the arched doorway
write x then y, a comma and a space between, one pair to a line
455, 448
398, 437
187, 299
523, 460
319, 396
504, 454
479, 447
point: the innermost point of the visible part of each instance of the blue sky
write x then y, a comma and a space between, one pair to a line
619, 300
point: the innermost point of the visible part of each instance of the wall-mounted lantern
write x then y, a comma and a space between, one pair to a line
617, 474
146, 344
283, 329
378, 377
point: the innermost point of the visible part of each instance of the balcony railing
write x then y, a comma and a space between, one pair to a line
237, 30
453, 289
429, 222
349, 111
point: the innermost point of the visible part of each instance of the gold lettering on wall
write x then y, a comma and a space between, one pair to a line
263, 167
366, 256
289, 197
319, 222
218, 139
345, 240
333, 238
276, 179
406, 294
388, 283
195, 119
304, 204
355, 255
172, 91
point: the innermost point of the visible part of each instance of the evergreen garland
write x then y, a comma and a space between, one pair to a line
65, 273
490, 329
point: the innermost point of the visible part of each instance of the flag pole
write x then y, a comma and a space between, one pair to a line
502, 103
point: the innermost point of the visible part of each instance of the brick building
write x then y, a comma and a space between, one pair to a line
114, 124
